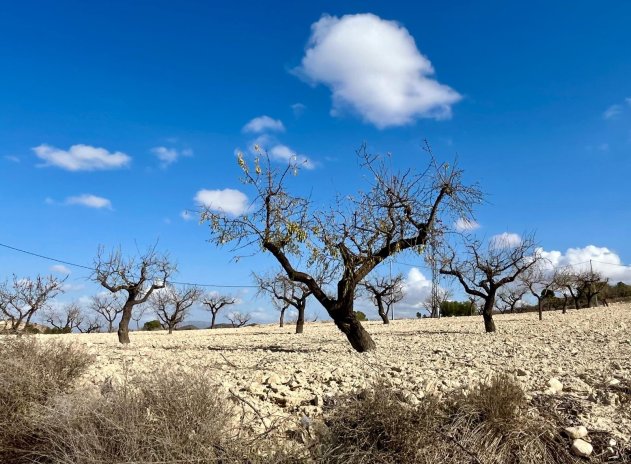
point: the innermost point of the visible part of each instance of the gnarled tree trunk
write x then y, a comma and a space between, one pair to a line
282, 316
300, 322
347, 322
487, 314
123, 326
383, 314
212, 320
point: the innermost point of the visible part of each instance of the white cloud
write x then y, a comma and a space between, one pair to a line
263, 124
81, 158
12, 158
602, 260
373, 67
612, 112
505, 240
466, 225
169, 156
283, 153
60, 269
229, 201
91, 201
416, 289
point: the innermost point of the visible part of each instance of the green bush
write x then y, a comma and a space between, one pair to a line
456, 308
360, 315
152, 325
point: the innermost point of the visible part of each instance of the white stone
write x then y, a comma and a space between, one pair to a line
582, 448
576, 432
555, 385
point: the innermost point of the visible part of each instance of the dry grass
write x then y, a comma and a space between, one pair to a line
492, 424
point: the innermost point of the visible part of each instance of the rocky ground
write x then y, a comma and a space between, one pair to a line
583, 356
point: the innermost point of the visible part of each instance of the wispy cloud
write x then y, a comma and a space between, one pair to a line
466, 225
60, 269
263, 124
81, 158
505, 240
612, 112
373, 67
168, 156
298, 109
90, 201
12, 158
283, 153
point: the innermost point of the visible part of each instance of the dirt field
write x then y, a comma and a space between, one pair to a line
588, 351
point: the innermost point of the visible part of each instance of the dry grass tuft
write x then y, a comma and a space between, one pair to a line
492, 424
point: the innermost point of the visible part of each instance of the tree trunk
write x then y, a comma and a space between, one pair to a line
382, 312
540, 308
282, 317
300, 322
577, 304
564, 304
170, 329
212, 320
487, 314
123, 326
347, 322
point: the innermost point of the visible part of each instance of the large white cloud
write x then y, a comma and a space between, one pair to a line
373, 67
264, 124
91, 201
416, 289
229, 201
602, 259
81, 158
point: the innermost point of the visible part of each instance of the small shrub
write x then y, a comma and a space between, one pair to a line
31, 373
360, 315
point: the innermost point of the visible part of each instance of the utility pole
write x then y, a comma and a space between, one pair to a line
591, 284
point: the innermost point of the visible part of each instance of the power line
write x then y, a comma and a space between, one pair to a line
68, 263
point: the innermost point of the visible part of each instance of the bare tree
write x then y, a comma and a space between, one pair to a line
20, 300
592, 284
482, 272
568, 282
90, 324
541, 285
64, 319
172, 304
509, 296
214, 303
285, 293
442, 295
138, 313
400, 211
108, 306
384, 292
238, 319
137, 276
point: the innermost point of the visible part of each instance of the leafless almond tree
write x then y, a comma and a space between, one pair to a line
238, 319
90, 324
541, 284
108, 306
138, 313
64, 319
22, 298
384, 292
138, 277
214, 303
482, 271
398, 211
285, 293
509, 296
172, 304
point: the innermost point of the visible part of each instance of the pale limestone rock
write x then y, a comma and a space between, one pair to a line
582, 448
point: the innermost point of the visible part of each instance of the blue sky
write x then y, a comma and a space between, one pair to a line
533, 100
